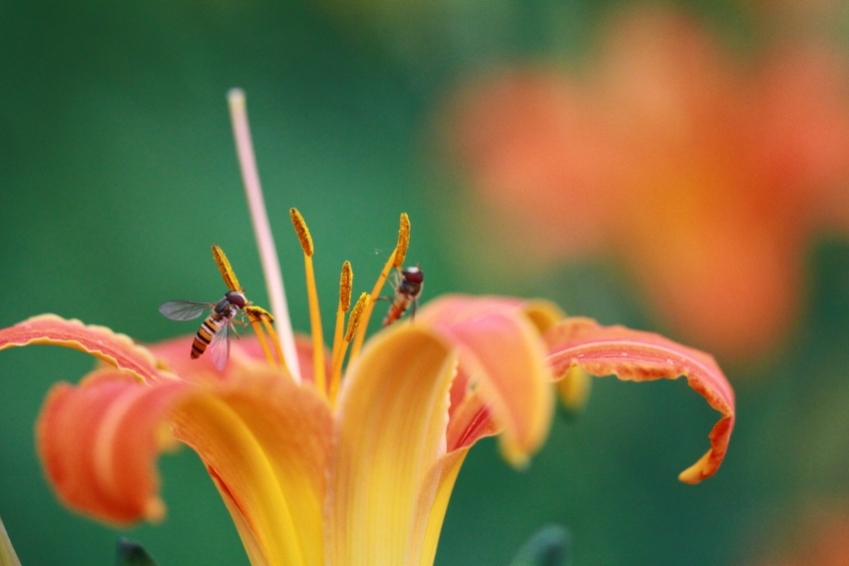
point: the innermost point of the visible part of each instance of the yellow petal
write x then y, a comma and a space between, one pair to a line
445, 472
393, 412
265, 441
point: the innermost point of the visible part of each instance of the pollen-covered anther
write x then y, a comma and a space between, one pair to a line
403, 240
302, 231
346, 282
258, 313
225, 268
356, 315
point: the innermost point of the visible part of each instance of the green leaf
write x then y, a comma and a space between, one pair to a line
550, 546
7, 553
131, 553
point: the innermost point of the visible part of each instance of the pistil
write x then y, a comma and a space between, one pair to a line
312, 296
262, 230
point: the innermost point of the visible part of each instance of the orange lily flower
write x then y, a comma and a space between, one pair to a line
322, 466
704, 177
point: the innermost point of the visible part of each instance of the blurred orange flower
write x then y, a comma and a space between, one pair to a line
821, 540
705, 176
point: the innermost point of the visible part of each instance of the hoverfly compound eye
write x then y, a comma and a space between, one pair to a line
413, 275
236, 298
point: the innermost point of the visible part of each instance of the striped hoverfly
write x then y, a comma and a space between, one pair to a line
214, 332
408, 288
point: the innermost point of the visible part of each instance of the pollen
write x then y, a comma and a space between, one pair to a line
403, 240
356, 315
303, 232
346, 282
225, 268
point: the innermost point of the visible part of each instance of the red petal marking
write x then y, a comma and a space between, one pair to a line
641, 356
99, 442
468, 417
99, 341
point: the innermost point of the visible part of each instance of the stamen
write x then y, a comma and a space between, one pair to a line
346, 282
258, 315
312, 296
356, 315
403, 241
269, 327
262, 229
400, 251
225, 268
303, 232
255, 324
354, 322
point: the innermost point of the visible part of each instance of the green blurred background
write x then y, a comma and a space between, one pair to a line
117, 171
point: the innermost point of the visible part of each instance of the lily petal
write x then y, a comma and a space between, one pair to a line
393, 410
641, 356
99, 441
264, 439
503, 355
266, 443
115, 349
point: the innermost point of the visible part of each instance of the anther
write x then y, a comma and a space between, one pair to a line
346, 281
303, 232
356, 315
403, 240
225, 268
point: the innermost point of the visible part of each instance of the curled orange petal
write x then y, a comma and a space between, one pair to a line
633, 355
115, 349
502, 361
264, 440
99, 441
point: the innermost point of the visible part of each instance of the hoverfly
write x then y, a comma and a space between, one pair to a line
408, 287
214, 332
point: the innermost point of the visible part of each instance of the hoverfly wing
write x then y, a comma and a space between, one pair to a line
183, 310
219, 346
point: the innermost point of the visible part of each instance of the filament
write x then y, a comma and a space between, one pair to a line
354, 322
346, 282
312, 296
396, 258
262, 341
